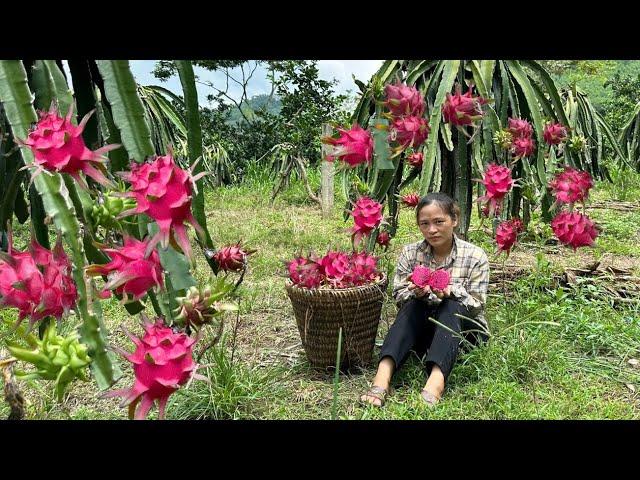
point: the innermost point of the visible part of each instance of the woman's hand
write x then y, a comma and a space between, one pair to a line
446, 293
419, 292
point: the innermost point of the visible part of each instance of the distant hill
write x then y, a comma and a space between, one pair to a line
254, 104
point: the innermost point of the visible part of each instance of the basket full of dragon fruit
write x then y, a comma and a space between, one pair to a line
338, 290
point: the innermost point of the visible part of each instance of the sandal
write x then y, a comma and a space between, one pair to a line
429, 398
376, 392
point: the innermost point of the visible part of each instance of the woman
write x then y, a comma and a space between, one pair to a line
437, 216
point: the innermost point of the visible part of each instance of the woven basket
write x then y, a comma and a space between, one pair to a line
320, 314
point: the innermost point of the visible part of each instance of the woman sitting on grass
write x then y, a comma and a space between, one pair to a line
437, 217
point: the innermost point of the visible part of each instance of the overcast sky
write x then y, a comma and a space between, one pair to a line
341, 70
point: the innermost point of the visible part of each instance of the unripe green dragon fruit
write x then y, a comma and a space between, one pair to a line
202, 305
577, 143
503, 139
104, 213
55, 357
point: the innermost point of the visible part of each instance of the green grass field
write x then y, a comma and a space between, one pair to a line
553, 354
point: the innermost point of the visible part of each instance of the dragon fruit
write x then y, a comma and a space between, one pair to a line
37, 282
305, 272
461, 109
403, 100
498, 182
408, 132
571, 185
131, 274
554, 133
523, 147
162, 362
335, 266
574, 229
486, 210
202, 305
383, 239
507, 234
163, 191
439, 279
232, 258
415, 159
362, 269
57, 146
519, 128
410, 200
420, 276
367, 216
354, 146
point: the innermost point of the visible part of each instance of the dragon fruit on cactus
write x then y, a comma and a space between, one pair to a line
415, 159
354, 146
439, 279
420, 276
507, 234
383, 239
554, 133
37, 282
523, 147
571, 185
409, 131
519, 128
410, 200
232, 258
367, 216
574, 229
461, 110
163, 191
305, 272
335, 266
131, 274
202, 304
162, 362
57, 146
403, 100
498, 182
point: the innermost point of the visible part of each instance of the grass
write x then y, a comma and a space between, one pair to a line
553, 354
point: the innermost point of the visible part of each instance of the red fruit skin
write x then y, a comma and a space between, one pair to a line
461, 110
507, 234
231, 258
554, 133
367, 216
403, 100
415, 160
523, 147
410, 200
409, 131
498, 182
571, 186
574, 229
354, 146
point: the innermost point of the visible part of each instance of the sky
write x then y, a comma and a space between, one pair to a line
341, 70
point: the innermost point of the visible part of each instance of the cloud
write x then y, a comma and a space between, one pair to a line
342, 70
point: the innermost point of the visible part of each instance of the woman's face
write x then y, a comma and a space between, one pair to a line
436, 225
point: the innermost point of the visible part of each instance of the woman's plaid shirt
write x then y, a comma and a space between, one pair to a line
467, 265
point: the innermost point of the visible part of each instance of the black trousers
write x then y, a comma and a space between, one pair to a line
412, 330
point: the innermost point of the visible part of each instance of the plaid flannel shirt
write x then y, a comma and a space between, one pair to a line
467, 265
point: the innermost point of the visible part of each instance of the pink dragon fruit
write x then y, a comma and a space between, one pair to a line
367, 216
461, 109
574, 229
420, 276
131, 274
403, 100
57, 146
523, 147
507, 234
163, 191
305, 272
162, 362
571, 185
498, 182
362, 269
383, 239
354, 146
519, 128
335, 266
409, 132
415, 160
232, 258
37, 282
554, 133
410, 200
439, 279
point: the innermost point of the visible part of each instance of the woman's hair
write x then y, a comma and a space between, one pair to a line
444, 201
